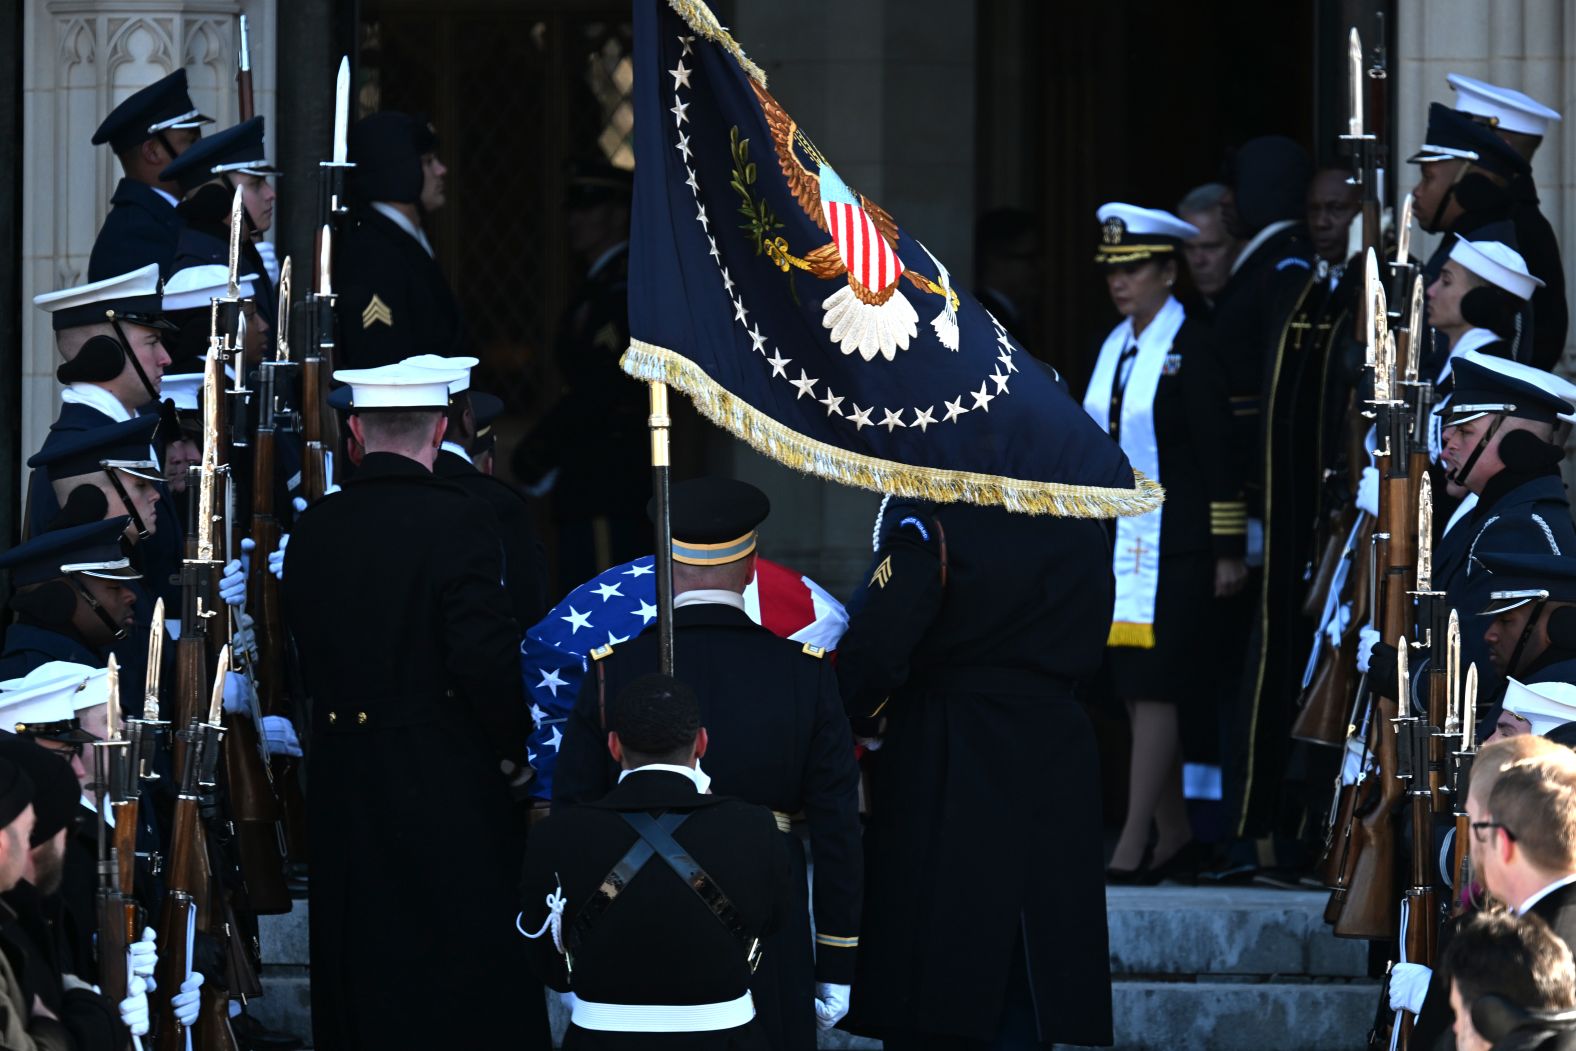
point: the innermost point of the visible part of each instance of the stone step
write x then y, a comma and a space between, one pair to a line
1194, 967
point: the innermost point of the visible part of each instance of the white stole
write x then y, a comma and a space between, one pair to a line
1136, 558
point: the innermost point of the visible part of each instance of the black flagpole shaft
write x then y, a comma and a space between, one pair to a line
660, 421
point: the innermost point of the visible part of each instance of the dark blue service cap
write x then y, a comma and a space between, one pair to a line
93, 549
713, 519
1453, 135
1518, 579
237, 149
1481, 388
486, 408
160, 106
120, 446
339, 398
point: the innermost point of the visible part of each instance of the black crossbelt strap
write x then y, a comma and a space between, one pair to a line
656, 838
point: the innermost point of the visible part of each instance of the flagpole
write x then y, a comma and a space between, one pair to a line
659, 423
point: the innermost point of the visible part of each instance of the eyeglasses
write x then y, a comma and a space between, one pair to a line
1477, 825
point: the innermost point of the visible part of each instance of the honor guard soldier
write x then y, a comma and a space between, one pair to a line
208, 175
665, 959
1483, 286
524, 569
590, 451
1531, 616
1523, 122
394, 301
146, 132
780, 740
1539, 708
1465, 172
963, 654
412, 741
71, 596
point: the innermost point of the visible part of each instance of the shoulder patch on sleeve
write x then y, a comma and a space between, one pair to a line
916, 524
815, 651
1293, 260
600, 652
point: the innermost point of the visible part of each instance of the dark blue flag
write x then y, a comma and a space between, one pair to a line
799, 315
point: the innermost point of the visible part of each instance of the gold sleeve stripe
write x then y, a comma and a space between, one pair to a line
835, 942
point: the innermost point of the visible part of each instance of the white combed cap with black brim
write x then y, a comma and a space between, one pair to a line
439, 363
1543, 704
1502, 107
195, 287
398, 387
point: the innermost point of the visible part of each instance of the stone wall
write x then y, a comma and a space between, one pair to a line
82, 58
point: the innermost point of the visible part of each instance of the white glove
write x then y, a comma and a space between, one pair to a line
142, 957
1368, 491
1339, 622
330, 489
831, 1003
248, 545
299, 503
232, 583
134, 1009
243, 642
188, 1001
1408, 986
238, 694
1367, 639
276, 557
279, 736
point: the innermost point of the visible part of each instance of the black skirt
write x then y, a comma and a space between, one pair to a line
1178, 668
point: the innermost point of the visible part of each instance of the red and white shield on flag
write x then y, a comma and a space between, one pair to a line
863, 250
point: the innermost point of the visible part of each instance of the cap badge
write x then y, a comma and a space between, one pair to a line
1111, 233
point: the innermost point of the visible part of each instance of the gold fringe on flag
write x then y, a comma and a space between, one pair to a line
700, 18
1127, 633
651, 363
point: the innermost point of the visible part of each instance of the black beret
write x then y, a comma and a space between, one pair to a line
57, 794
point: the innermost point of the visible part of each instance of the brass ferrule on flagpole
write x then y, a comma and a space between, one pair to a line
661, 461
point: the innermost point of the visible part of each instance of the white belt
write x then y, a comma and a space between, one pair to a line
662, 1018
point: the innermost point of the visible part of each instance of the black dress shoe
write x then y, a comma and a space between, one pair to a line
1139, 877
1182, 866
253, 1035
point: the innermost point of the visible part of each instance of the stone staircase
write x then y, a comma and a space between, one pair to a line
1212, 969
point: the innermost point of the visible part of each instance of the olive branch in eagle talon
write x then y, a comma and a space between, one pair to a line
867, 315
761, 220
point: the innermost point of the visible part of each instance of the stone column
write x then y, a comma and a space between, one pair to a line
887, 90
83, 57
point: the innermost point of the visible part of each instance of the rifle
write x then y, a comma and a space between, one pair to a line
1366, 150
1467, 728
253, 805
119, 916
274, 378
189, 900
1369, 906
1326, 700
243, 77
320, 423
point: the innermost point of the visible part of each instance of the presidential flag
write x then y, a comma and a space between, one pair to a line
800, 315
621, 603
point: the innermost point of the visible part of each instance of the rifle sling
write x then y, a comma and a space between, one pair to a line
655, 837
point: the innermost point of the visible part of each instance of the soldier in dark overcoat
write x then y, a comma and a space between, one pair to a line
407, 649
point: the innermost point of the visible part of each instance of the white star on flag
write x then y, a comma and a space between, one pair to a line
607, 591
923, 419
1005, 357
758, 339
555, 740
778, 362
679, 112
647, 612
700, 214
576, 620
806, 385
1001, 382
832, 403
639, 571
739, 313
537, 715
981, 399
892, 420
614, 640
860, 418
683, 145
954, 410
680, 76
550, 680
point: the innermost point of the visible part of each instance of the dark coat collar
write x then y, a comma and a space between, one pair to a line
452, 465
1548, 907
711, 614
1519, 486
655, 790
141, 195
387, 465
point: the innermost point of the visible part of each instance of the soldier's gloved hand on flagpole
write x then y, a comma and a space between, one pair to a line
276, 557
831, 1003
142, 957
1408, 986
279, 736
1376, 657
188, 1001
1368, 491
1367, 639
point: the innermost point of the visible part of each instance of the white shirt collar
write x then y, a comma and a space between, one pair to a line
401, 220
1258, 240
605, 258
174, 201
1545, 892
700, 778
457, 450
96, 397
1471, 339
716, 596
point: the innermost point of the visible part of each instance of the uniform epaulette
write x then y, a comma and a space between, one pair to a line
815, 651
602, 651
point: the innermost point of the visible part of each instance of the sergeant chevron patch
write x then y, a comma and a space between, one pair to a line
883, 572
376, 311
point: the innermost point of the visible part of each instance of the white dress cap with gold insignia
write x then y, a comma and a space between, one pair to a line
1498, 264
131, 296
52, 693
196, 286
1503, 107
1130, 234
399, 386
463, 365
1543, 704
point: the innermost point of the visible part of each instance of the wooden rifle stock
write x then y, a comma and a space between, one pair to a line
180, 916
1327, 702
1369, 909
